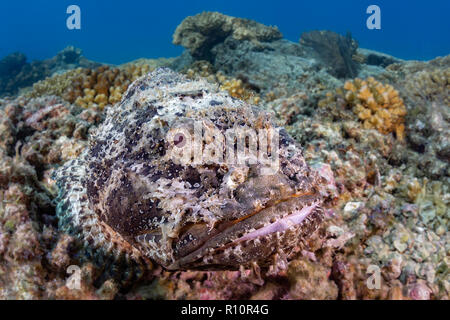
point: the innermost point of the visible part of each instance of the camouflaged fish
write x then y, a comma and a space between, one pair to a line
148, 189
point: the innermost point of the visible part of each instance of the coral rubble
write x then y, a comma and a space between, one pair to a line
261, 57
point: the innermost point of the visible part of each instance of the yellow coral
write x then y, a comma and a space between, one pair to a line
235, 87
378, 106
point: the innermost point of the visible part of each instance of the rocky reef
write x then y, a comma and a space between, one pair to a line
335, 51
16, 73
373, 127
268, 62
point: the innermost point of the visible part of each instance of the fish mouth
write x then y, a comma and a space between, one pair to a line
279, 217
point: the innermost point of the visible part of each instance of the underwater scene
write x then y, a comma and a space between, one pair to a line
212, 150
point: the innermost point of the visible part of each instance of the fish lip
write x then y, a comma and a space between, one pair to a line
184, 261
282, 224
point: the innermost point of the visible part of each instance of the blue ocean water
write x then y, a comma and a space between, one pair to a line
121, 31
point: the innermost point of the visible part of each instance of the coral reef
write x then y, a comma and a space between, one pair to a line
56, 85
385, 201
238, 89
429, 93
378, 106
275, 66
431, 86
395, 220
88, 87
304, 279
281, 68
335, 51
426, 88
12, 64
384, 217
200, 33
101, 86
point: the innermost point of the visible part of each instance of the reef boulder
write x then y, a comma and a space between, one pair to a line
246, 49
162, 180
16, 73
200, 33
